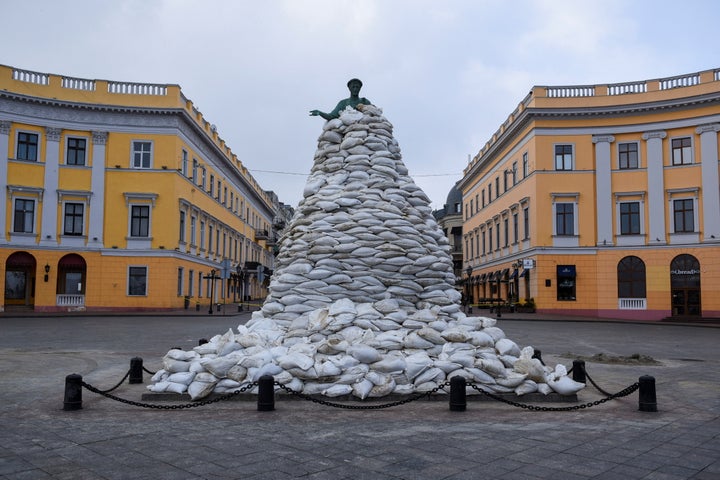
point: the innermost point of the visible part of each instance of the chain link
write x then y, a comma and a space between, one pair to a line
361, 407
623, 393
118, 384
148, 371
219, 398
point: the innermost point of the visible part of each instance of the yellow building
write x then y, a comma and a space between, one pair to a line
121, 196
600, 200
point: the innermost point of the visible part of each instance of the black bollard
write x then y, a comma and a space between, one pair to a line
136, 370
458, 402
578, 371
266, 394
73, 392
646, 397
538, 354
202, 341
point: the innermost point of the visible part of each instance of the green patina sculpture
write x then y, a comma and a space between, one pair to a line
354, 85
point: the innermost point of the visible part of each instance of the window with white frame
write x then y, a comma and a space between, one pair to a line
182, 226
212, 185
27, 146
184, 167
75, 151
193, 225
563, 157
180, 280
628, 156
203, 177
141, 154
526, 223
681, 151
630, 223
24, 215
139, 220
73, 220
195, 177
191, 278
564, 218
683, 215
137, 281
202, 234
525, 165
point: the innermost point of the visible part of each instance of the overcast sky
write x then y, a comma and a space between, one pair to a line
446, 73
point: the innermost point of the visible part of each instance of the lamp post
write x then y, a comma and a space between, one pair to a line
211, 277
47, 271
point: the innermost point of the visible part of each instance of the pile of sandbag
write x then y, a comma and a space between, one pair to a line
362, 299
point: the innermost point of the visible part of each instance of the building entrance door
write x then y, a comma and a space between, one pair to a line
685, 286
20, 280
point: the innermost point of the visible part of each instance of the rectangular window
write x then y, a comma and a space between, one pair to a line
191, 277
515, 228
683, 211
76, 151
137, 281
497, 235
490, 239
182, 226
193, 225
202, 235
484, 246
27, 146
74, 213
180, 278
195, 177
140, 221
471, 207
506, 230
184, 167
490, 193
200, 282
505, 180
681, 151
497, 187
630, 218
217, 241
24, 216
628, 156
142, 154
219, 190
525, 165
212, 185
225, 191
514, 173
565, 219
482, 192
563, 157
526, 223
566, 282
203, 178
210, 233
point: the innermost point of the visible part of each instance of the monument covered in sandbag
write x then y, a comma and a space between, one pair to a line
362, 300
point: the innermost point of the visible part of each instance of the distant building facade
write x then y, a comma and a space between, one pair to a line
121, 196
450, 219
601, 200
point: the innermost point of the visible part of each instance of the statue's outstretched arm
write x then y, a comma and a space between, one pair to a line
326, 116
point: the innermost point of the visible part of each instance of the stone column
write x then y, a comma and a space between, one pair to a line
710, 181
603, 186
4, 145
656, 187
49, 225
97, 200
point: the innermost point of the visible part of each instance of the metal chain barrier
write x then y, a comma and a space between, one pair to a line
623, 393
219, 398
116, 386
148, 371
362, 407
596, 385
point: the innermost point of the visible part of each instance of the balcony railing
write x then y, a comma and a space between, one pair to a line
632, 304
70, 300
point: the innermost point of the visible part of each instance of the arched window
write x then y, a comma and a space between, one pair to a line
631, 278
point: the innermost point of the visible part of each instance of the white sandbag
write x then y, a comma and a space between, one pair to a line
362, 389
511, 380
492, 366
364, 353
158, 387
219, 366
327, 369
455, 335
173, 366
480, 339
181, 377
237, 373
295, 360
508, 360
403, 389
544, 388
382, 389
431, 335
206, 377
389, 364
199, 390
446, 365
481, 376
267, 369
505, 346
228, 383
494, 332
417, 363
432, 374
159, 376
528, 386
337, 390
415, 341
177, 354
564, 385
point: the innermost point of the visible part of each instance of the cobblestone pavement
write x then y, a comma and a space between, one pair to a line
420, 440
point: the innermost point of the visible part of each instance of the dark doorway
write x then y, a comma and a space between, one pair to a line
685, 286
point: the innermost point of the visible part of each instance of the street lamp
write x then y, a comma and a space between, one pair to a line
211, 277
